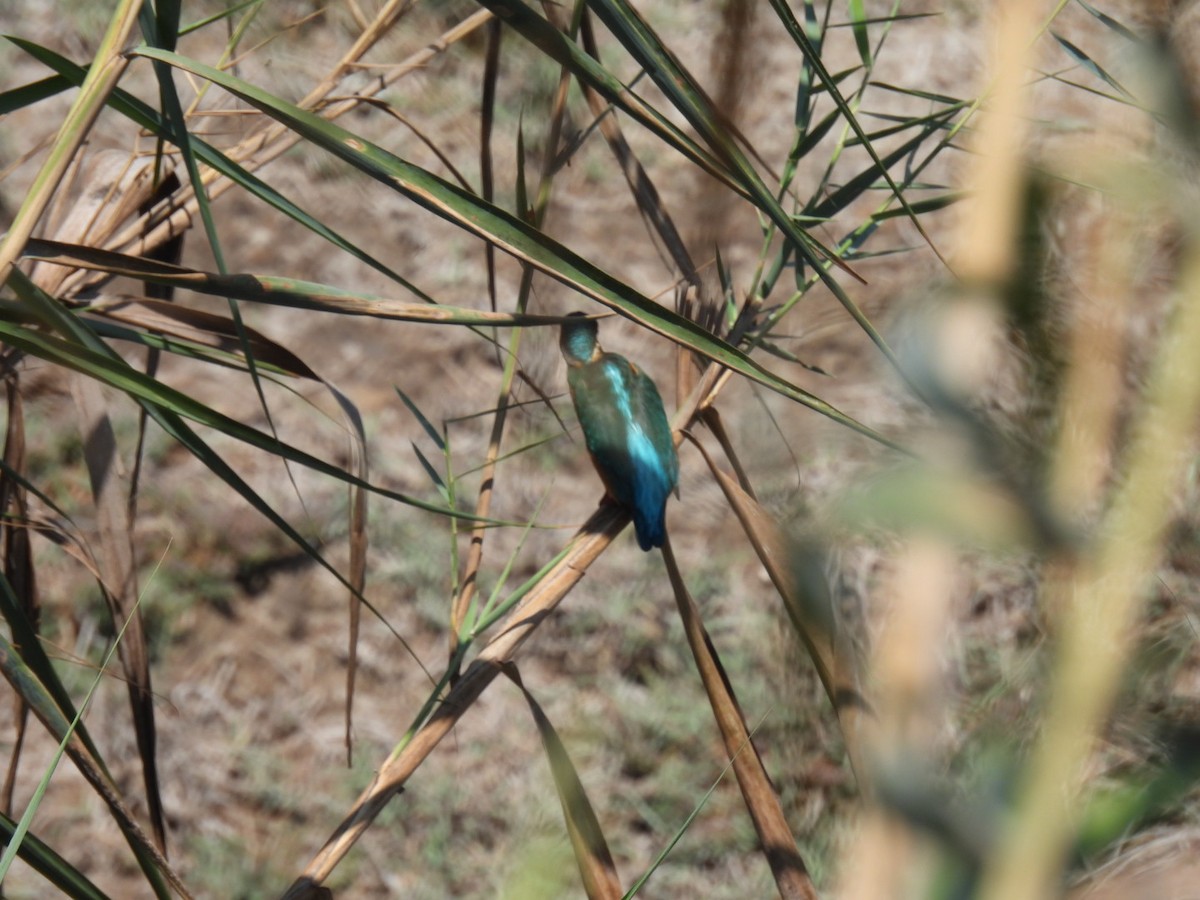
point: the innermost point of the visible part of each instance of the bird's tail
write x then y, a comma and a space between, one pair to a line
651, 529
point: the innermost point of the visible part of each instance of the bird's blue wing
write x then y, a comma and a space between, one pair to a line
629, 439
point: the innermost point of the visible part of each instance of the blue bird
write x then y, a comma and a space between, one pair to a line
624, 427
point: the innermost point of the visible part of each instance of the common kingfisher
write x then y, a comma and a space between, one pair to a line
624, 426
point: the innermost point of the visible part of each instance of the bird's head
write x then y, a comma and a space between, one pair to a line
577, 340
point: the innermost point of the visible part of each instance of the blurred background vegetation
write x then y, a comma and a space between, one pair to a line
290, 477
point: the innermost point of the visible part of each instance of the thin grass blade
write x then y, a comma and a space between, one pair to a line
596, 866
1091, 65
41, 857
523, 241
198, 328
1110, 22
32, 93
862, 40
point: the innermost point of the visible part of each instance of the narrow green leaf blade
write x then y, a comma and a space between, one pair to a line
53, 867
29, 94
596, 866
1090, 64
862, 40
516, 237
434, 436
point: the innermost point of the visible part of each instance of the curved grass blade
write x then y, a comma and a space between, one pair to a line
34, 92
172, 323
59, 723
516, 237
207, 348
41, 857
270, 289
596, 866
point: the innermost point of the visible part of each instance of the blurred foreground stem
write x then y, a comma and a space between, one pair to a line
1100, 609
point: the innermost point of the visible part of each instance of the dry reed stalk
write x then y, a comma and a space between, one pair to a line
593, 538
907, 674
762, 800
149, 231
106, 70
886, 859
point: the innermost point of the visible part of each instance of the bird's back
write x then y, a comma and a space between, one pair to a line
629, 438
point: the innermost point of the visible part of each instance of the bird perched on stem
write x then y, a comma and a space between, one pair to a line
624, 427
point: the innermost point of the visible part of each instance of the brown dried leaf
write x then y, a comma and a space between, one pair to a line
766, 810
